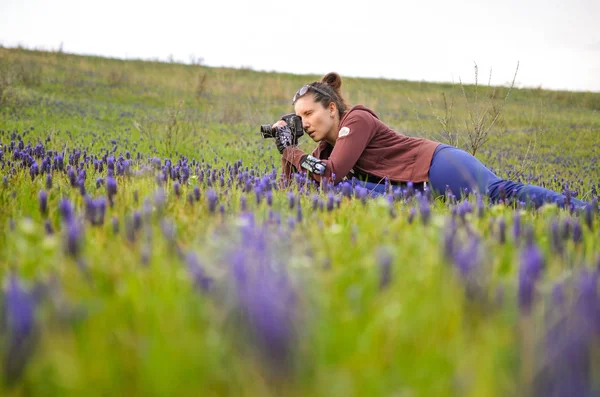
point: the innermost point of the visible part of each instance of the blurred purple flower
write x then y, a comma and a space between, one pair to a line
197, 273
532, 264
212, 200
43, 198
384, 262
19, 319
66, 209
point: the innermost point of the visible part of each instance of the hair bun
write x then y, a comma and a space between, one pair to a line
332, 79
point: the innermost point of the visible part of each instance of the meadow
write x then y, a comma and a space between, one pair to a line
149, 246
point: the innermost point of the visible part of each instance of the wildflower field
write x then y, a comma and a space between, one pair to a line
149, 246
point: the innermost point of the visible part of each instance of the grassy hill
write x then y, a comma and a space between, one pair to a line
147, 248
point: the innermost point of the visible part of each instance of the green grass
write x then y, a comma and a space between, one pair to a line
126, 319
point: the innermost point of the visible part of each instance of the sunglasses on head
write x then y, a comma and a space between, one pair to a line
302, 91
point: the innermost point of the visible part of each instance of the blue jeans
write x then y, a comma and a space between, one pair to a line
460, 172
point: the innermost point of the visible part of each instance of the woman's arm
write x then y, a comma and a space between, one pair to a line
356, 131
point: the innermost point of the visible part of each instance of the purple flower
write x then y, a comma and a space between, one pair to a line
502, 231
34, 170
197, 193
330, 201
212, 199
177, 188
73, 238
411, 214
66, 209
243, 203
197, 273
48, 227
111, 186
425, 210
19, 311
43, 196
577, 232
48, 181
532, 264
384, 261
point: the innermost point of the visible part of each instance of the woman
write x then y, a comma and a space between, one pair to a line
353, 142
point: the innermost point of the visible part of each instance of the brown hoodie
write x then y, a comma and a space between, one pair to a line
368, 146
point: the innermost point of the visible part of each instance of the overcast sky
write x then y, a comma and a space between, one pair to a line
556, 42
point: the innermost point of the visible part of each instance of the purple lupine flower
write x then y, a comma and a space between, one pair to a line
315, 201
197, 273
177, 189
267, 301
19, 311
502, 231
137, 220
346, 189
269, 197
160, 199
577, 232
73, 238
212, 199
384, 261
43, 197
72, 176
100, 211
34, 170
168, 230
243, 203
196, 193
330, 201
589, 216
81, 185
532, 264
48, 227
468, 261
66, 209
517, 226
99, 182
291, 200
48, 181
425, 210
361, 193
111, 187
411, 214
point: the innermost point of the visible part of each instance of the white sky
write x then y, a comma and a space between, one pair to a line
557, 42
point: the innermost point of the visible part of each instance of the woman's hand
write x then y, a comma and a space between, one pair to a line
280, 123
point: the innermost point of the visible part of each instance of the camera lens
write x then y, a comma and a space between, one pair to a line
267, 131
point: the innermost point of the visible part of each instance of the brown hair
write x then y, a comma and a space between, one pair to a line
331, 84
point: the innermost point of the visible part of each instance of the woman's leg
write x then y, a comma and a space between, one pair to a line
463, 173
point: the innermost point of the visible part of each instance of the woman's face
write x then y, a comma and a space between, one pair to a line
319, 123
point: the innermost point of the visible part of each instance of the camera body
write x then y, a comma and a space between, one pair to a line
293, 121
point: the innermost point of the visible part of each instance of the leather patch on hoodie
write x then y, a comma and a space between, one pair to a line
343, 132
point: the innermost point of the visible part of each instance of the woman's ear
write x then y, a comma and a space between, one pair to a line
332, 109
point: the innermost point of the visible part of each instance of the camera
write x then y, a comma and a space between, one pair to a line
293, 121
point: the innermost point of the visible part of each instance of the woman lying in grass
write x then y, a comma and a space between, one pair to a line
353, 142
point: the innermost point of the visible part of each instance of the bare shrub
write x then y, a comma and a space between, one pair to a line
483, 112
